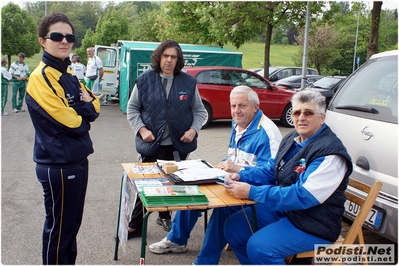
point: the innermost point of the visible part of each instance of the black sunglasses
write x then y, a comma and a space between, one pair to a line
58, 37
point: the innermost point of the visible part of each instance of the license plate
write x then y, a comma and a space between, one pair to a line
373, 219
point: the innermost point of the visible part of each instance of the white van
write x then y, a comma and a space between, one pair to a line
109, 55
364, 115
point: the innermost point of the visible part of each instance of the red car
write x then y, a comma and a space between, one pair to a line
215, 83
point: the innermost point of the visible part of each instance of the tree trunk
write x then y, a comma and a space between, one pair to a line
372, 47
268, 41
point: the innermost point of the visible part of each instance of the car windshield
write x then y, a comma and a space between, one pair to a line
273, 69
326, 83
378, 79
292, 79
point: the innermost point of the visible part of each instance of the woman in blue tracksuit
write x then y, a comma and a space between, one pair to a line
302, 202
253, 141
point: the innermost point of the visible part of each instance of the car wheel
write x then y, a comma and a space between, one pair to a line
286, 118
208, 117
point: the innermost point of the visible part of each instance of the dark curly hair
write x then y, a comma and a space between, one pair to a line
50, 20
157, 54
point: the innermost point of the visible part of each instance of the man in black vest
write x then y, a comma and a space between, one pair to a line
302, 202
166, 114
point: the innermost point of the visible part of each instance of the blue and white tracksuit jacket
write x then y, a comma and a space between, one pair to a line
257, 145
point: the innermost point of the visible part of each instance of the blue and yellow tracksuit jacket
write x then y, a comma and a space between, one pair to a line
60, 117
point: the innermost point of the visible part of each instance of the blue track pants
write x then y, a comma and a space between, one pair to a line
214, 240
276, 238
64, 191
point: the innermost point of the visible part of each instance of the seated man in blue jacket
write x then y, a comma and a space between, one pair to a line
254, 140
301, 201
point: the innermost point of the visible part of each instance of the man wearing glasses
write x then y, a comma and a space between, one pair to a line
302, 201
166, 114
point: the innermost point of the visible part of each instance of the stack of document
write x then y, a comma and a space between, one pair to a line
172, 196
194, 172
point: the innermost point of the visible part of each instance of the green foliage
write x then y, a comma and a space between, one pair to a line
332, 49
388, 37
236, 24
323, 43
113, 26
18, 32
141, 19
147, 29
84, 15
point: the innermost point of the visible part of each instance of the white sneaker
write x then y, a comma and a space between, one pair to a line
166, 246
14, 110
4, 113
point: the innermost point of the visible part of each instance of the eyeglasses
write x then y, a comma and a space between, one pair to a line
172, 56
58, 37
306, 113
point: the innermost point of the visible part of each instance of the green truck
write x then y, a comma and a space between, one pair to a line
124, 62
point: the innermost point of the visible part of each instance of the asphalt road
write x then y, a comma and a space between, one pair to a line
22, 211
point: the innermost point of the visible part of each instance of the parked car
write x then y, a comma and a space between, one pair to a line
280, 72
294, 83
327, 86
255, 69
364, 115
215, 83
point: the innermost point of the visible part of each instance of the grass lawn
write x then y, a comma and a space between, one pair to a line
253, 53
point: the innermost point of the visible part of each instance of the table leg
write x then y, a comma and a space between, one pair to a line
205, 219
119, 217
255, 224
144, 238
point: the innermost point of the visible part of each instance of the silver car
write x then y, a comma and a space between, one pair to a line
364, 115
280, 72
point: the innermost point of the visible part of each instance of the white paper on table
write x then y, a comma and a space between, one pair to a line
192, 174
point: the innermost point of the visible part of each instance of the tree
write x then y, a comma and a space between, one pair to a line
323, 46
113, 26
18, 32
147, 29
388, 31
372, 48
231, 22
292, 33
187, 22
83, 15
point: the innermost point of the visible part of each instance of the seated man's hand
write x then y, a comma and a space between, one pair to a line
232, 177
228, 166
239, 190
